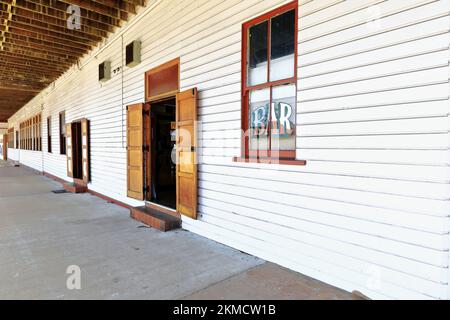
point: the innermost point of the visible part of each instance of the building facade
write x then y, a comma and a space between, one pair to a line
352, 98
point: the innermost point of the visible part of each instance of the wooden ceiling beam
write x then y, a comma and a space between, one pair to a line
58, 38
98, 7
58, 29
87, 28
36, 57
42, 6
25, 17
124, 6
140, 3
6, 21
18, 82
37, 46
47, 61
43, 45
31, 72
52, 14
85, 6
8, 65
47, 38
19, 94
25, 83
40, 83
15, 58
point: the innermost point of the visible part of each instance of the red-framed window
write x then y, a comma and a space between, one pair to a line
269, 84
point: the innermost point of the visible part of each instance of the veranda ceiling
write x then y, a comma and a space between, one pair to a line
37, 44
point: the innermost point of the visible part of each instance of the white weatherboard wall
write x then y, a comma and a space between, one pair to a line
370, 210
32, 159
12, 153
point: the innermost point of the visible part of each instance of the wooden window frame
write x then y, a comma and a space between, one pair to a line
11, 138
28, 137
168, 94
267, 154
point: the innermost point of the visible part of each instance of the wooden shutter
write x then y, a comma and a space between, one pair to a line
85, 150
186, 116
5, 147
69, 150
135, 152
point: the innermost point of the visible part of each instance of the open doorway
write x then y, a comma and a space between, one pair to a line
163, 164
77, 150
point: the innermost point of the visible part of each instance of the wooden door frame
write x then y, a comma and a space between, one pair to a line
167, 94
151, 153
77, 180
79, 121
149, 100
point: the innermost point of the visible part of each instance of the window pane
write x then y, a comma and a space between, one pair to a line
259, 119
282, 46
257, 54
284, 114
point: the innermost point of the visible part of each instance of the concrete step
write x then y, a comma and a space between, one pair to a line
74, 188
156, 219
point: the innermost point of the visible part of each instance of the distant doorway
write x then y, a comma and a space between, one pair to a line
162, 153
77, 150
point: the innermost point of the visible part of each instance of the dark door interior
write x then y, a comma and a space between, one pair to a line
163, 177
77, 150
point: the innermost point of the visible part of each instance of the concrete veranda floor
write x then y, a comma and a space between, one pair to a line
42, 233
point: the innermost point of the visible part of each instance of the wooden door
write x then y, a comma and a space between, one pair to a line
147, 149
69, 149
135, 151
5, 147
85, 150
186, 117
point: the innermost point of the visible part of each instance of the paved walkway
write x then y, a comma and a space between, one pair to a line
43, 233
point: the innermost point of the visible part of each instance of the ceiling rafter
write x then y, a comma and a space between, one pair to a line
35, 36
5, 23
52, 14
60, 51
21, 59
64, 46
39, 33
93, 11
87, 27
38, 44
57, 29
22, 55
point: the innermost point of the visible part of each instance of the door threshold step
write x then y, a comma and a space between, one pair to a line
163, 209
75, 188
155, 219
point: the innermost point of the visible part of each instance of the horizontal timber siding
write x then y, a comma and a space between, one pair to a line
370, 211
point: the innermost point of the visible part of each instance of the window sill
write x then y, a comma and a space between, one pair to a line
290, 162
